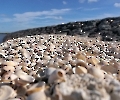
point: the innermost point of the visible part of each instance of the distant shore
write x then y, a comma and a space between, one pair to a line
107, 28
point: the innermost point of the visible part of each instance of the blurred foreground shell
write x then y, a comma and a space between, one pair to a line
6, 92
36, 87
24, 78
57, 76
79, 70
98, 73
37, 92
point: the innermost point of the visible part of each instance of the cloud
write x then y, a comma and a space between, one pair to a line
64, 2
20, 21
117, 4
81, 1
31, 16
27, 16
6, 19
54, 17
91, 9
2, 15
92, 0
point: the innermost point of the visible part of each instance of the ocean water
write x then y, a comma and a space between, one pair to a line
2, 35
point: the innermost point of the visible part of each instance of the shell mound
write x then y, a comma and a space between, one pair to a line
59, 67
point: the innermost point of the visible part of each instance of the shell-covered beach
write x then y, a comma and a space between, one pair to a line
59, 67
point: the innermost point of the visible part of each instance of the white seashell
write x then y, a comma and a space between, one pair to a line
68, 57
109, 68
57, 76
52, 46
115, 94
61, 62
9, 68
6, 76
21, 91
67, 67
24, 77
49, 71
96, 72
93, 60
80, 70
80, 56
10, 63
105, 95
40, 95
36, 87
16, 60
46, 57
81, 63
25, 53
73, 62
15, 99
13, 77
6, 92
50, 63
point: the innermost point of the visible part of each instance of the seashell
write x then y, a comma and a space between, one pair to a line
67, 68
109, 68
2, 55
115, 93
50, 63
9, 68
96, 72
1, 60
81, 63
36, 88
15, 99
19, 48
5, 83
73, 62
10, 63
68, 57
21, 91
61, 62
118, 77
40, 94
13, 76
105, 95
24, 78
93, 60
80, 56
49, 71
89, 54
21, 97
79, 70
16, 59
114, 63
52, 46
25, 53
6, 75
57, 76
46, 57
45, 62
6, 92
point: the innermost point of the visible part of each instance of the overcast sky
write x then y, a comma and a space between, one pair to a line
23, 14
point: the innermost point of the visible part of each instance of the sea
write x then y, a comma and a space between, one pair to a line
2, 35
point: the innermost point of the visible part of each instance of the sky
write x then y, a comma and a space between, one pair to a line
18, 15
